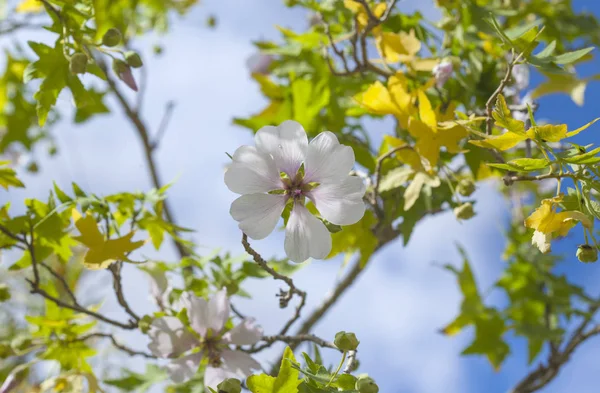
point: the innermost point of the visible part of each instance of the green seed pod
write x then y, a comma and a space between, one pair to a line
464, 211
112, 37
78, 63
133, 59
366, 385
587, 253
20, 343
4, 293
346, 341
465, 187
230, 385
5, 351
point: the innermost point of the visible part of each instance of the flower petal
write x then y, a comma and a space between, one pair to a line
235, 364
197, 311
246, 333
257, 214
182, 369
326, 160
286, 143
305, 236
169, 337
340, 203
218, 310
252, 171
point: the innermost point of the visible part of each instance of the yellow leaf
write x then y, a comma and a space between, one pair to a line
377, 99
268, 87
102, 252
548, 132
361, 13
29, 6
569, 84
426, 113
429, 142
425, 65
504, 118
398, 90
577, 131
408, 156
397, 47
500, 142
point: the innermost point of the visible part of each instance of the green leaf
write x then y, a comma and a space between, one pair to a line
8, 177
504, 119
287, 380
395, 178
571, 57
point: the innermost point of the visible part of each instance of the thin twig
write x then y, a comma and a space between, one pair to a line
284, 296
490, 102
115, 269
293, 339
509, 180
122, 347
62, 280
164, 123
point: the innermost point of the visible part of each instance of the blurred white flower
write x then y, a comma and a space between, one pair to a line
206, 339
442, 72
159, 285
520, 76
325, 180
259, 63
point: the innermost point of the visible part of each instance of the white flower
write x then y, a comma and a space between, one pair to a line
325, 180
206, 338
442, 72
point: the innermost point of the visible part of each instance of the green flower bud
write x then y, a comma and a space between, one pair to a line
112, 37
5, 351
366, 385
230, 385
464, 211
4, 293
20, 343
123, 71
346, 341
78, 63
144, 323
587, 253
211, 21
465, 187
133, 59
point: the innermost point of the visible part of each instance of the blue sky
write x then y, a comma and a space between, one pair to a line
398, 305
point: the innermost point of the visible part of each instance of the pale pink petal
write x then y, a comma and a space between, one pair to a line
184, 368
286, 143
218, 310
305, 236
215, 375
235, 364
257, 214
197, 311
252, 172
246, 333
326, 160
169, 337
340, 203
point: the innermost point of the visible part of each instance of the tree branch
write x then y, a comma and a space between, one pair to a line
115, 343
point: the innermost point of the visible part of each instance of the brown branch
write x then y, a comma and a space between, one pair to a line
122, 347
490, 102
62, 281
284, 296
164, 123
293, 340
510, 179
144, 135
115, 270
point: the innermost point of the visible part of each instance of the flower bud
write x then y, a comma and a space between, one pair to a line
78, 63
465, 187
112, 37
5, 351
230, 385
4, 293
133, 59
587, 253
20, 343
259, 63
464, 211
442, 72
366, 385
123, 71
346, 341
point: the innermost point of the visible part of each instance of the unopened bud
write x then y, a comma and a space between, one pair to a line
442, 72
78, 63
4, 293
123, 71
464, 211
133, 59
5, 351
112, 37
465, 187
230, 385
366, 385
346, 341
20, 343
587, 253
